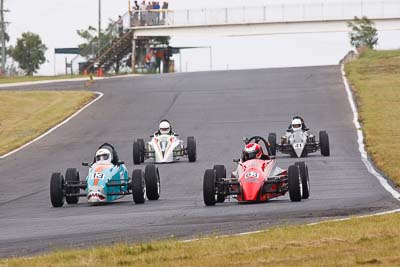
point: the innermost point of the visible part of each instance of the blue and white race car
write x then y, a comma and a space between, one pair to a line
107, 180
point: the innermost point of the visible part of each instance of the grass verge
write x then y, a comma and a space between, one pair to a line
24, 115
375, 79
356, 242
364, 242
19, 79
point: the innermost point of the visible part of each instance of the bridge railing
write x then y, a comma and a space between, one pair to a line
289, 12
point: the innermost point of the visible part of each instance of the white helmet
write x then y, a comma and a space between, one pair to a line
296, 124
103, 155
165, 127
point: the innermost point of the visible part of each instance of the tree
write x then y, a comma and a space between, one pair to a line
29, 52
363, 33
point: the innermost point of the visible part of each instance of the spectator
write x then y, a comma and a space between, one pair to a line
142, 13
147, 59
156, 7
159, 57
153, 62
135, 14
164, 13
149, 15
120, 25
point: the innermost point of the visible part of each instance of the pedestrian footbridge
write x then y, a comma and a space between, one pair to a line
310, 17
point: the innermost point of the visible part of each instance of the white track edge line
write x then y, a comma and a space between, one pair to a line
99, 95
361, 147
364, 158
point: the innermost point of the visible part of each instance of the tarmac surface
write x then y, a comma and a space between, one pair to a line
219, 108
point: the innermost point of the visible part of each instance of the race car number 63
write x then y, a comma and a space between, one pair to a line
251, 175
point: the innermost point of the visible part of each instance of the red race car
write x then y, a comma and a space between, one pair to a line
257, 178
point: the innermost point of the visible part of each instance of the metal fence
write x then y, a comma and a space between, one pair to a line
289, 12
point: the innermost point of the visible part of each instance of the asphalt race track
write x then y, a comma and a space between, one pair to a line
219, 108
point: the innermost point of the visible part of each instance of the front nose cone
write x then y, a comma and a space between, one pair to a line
96, 194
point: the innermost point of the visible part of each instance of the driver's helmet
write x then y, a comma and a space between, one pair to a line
165, 127
103, 155
252, 151
296, 124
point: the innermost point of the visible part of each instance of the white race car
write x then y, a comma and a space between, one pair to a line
300, 143
164, 148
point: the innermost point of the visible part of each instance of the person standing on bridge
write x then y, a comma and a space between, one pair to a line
120, 25
135, 14
142, 15
164, 12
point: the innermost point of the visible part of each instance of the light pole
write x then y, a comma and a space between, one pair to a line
99, 41
2, 37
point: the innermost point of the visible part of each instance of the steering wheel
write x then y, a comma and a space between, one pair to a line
256, 140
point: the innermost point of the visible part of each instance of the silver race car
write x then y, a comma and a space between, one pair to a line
299, 142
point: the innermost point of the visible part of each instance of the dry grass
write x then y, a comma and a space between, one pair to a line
18, 79
364, 242
25, 115
375, 78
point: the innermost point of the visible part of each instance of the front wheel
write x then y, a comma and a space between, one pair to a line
138, 187
152, 179
294, 183
142, 149
324, 143
57, 196
136, 153
72, 178
272, 143
220, 172
209, 188
191, 149
305, 180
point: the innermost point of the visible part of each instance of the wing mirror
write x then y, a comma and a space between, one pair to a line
236, 160
152, 135
245, 140
85, 164
121, 162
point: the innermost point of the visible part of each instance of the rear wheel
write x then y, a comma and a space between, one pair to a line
294, 183
141, 148
72, 178
56, 190
209, 188
191, 149
220, 172
152, 178
138, 187
136, 153
272, 143
305, 180
324, 143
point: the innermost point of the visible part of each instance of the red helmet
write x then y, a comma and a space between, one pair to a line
252, 151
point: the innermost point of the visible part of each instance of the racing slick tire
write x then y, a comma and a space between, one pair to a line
136, 153
294, 183
56, 190
305, 179
72, 177
324, 143
152, 179
220, 172
141, 146
209, 188
138, 187
191, 149
272, 143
